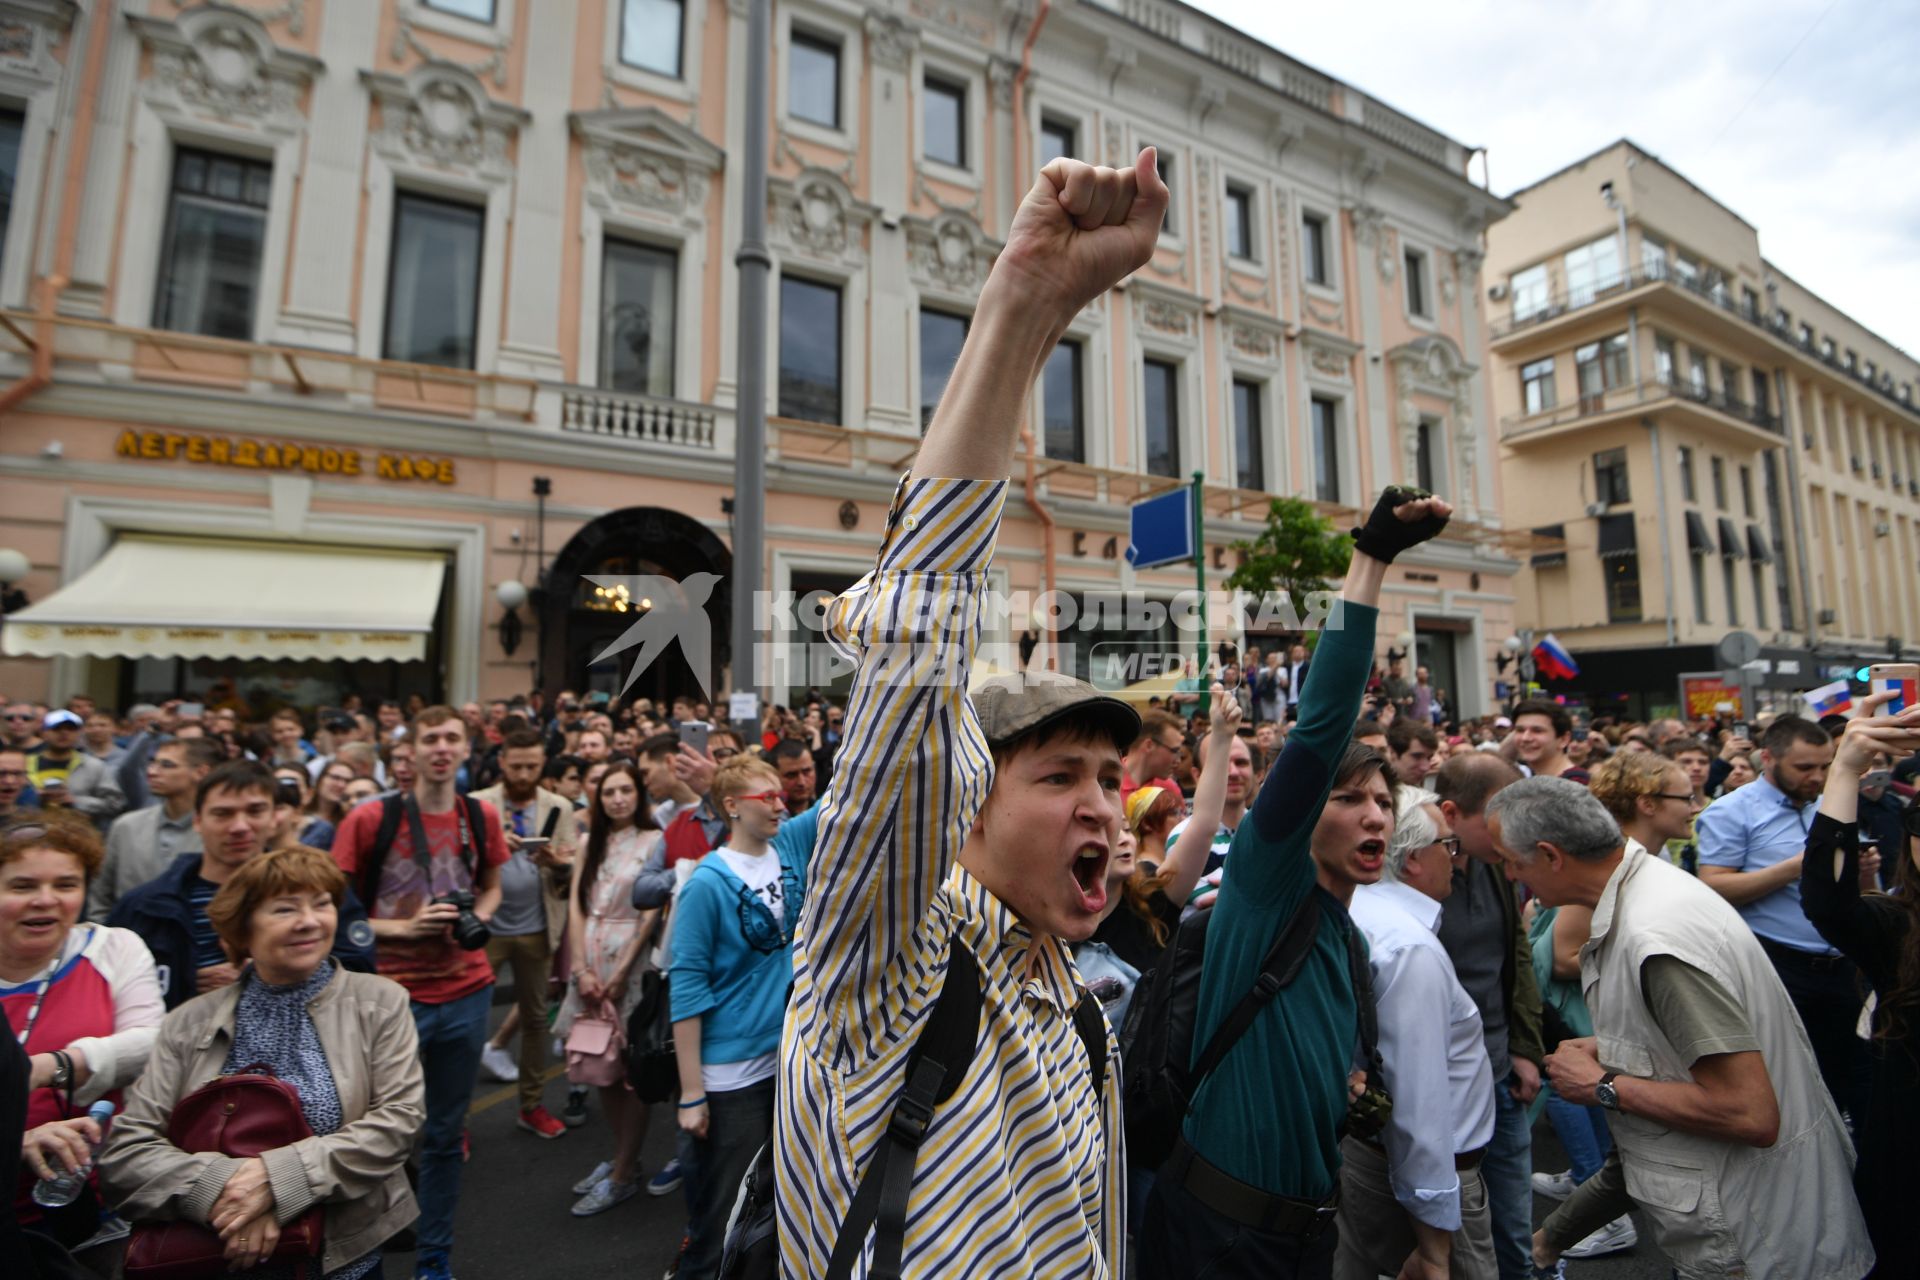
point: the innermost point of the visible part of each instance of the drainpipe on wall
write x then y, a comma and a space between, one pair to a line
1660, 505
1799, 515
53, 285
1049, 655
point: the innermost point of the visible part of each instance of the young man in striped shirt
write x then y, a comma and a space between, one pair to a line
928, 842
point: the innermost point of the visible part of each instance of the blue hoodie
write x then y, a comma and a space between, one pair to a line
738, 990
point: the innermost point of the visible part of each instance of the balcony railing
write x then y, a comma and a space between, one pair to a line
1707, 288
1640, 395
648, 420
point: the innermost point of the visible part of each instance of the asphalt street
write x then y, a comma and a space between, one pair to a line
514, 1221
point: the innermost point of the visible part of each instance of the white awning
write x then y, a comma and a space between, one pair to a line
153, 596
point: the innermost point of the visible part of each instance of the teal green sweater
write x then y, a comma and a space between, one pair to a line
1268, 1113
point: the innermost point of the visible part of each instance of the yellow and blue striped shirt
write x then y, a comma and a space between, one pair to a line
1022, 1171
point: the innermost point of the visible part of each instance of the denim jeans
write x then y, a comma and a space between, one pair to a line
1508, 1171
739, 1123
1582, 1131
451, 1037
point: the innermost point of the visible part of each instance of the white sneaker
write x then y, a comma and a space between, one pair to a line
1616, 1237
599, 1174
605, 1194
497, 1064
1554, 1186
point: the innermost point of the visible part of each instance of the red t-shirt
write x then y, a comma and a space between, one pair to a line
433, 970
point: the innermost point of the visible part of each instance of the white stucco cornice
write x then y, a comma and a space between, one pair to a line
650, 130
220, 60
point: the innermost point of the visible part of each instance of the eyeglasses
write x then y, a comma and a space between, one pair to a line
19, 715
1668, 795
765, 797
724, 753
1451, 844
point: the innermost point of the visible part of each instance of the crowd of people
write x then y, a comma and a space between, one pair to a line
1367, 944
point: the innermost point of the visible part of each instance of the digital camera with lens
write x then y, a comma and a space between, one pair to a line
469, 930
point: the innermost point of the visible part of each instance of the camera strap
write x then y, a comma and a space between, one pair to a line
423, 853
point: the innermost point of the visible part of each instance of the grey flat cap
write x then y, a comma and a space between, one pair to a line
1009, 706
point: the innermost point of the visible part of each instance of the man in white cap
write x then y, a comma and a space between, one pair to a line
67, 777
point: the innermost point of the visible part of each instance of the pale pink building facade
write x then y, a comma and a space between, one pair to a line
451, 282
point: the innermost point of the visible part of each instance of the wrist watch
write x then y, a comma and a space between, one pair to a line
1605, 1094
62, 1072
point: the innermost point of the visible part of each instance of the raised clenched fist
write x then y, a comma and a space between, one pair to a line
1081, 230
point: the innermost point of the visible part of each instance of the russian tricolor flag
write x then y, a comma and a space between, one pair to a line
1905, 695
1553, 661
1830, 699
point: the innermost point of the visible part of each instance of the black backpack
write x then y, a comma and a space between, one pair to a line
1156, 1044
935, 1065
400, 806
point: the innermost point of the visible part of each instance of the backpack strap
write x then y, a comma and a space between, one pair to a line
375, 857
936, 1063
1278, 970
1090, 1024
1362, 975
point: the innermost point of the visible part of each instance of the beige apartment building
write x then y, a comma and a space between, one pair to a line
1716, 447
322, 322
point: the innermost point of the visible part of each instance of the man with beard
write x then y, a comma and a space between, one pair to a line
533, 913
1750, 846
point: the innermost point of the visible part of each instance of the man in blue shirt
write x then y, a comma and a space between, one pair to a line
1751, 845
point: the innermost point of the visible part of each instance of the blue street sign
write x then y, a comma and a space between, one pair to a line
1161, 529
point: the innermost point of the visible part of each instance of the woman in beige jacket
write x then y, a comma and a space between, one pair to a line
345, 1040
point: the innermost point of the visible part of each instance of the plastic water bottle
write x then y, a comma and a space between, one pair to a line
60, 1190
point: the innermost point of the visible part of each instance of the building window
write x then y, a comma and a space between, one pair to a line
1056, 141
1663, 359
1697, 372
1239, 214
1418, 302
1749, 303
809, 350
1806, 336
943, 121
1530, 292
1730, 578
1427, 455
1762, 397
1685, 455
1826, 349
1161, 406
1730, 385
1610, 477
1653, 259
12, 124
210, 265
813, 75
1247, 443
1536, 384
1313, 248
1851, 360
433, 283
941, 337
650, 35
1746, 491
478, 10
1717, 468
638, 287
1061, 403
1686, 270
1699, 563
1776, 523
1591, 268
1164, 162
1326, 450
1623, 588
1759, 593
1601, 366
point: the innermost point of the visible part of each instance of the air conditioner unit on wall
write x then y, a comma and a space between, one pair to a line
1498, 293
1827, 617
1882, 529
1597, 508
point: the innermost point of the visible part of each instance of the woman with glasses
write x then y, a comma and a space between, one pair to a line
607, 941
329, 801
732, 966
1880, 932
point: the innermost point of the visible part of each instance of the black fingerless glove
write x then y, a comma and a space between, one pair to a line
1386, 535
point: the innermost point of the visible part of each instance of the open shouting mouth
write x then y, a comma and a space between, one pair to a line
1090, 875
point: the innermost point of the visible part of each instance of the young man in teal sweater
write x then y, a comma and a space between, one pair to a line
1250, 1187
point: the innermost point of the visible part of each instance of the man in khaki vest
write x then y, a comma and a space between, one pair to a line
1723, 1133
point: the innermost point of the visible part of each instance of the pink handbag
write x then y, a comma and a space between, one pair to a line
596, 1049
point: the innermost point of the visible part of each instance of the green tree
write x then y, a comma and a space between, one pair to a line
1298, 553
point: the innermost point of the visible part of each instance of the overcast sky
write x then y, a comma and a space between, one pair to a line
1823, 157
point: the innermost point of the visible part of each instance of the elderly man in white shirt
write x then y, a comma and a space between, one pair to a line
1415, 1207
